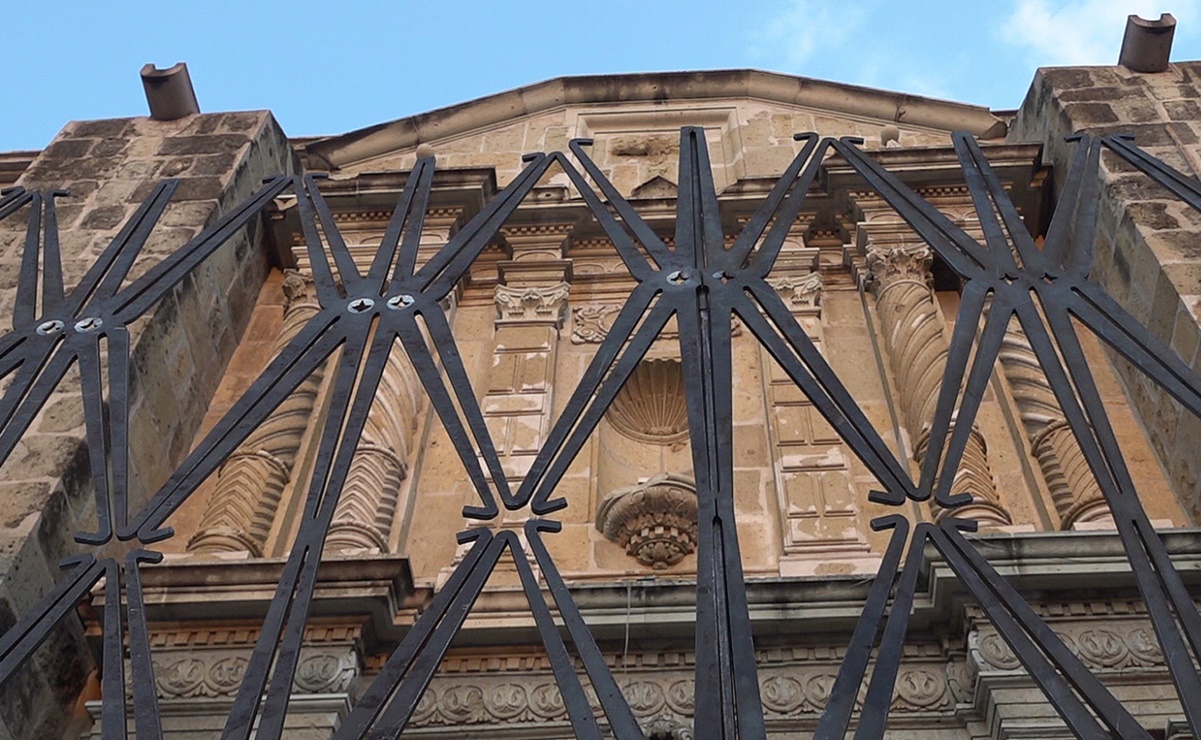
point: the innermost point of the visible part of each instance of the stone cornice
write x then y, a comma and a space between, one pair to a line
368, 589
1077, 567
405, 133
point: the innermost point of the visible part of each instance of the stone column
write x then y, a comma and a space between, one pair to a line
239, 514
367, 506
1074, 489
917, 347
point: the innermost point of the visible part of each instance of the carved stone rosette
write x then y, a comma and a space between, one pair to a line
239, 514
1073, 488
654, 521
917, 351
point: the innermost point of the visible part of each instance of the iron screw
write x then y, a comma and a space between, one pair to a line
359, 305
398, 302
53, 326
91, 323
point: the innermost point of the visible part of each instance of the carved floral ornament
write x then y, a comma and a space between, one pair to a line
802, 291
539, 304
655, 521
590, 324
892, 265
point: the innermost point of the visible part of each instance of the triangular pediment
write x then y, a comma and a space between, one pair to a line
741, 110
656, 187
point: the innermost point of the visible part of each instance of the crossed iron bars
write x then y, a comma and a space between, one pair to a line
701, 283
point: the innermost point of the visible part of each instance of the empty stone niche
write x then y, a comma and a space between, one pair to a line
645, 467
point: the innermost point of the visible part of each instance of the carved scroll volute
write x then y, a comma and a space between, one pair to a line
240, 513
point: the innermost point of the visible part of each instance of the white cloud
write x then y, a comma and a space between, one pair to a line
795, 30
1084, 31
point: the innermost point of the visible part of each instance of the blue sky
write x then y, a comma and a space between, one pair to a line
327, 68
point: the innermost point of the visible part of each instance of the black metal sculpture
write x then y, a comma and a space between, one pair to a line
703, 284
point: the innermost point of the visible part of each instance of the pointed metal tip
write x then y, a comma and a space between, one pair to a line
72, 561
801, 136
543, 525
469, 535
963, 525
881, 523
582, 142
856, 140
531, 156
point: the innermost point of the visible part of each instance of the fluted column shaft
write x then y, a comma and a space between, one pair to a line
241, 511
1073, 488
367, 506
917, 348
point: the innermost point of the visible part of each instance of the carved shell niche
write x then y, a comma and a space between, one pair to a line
655, 521
650, 407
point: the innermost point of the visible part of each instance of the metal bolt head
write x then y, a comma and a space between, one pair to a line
46, 328
89, 324
360, 305
398, 302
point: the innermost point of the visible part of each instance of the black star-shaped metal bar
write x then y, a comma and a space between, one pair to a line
1044, 288
37, 353
703, 285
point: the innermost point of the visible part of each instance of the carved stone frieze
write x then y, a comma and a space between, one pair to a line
650, 406
219, 673
1113, 646
663, 703
544, 304
654, 521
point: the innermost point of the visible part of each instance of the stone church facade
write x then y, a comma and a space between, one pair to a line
527, 319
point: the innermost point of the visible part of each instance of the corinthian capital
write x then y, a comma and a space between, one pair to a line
299, 288
802, 291
889, 265
536, 304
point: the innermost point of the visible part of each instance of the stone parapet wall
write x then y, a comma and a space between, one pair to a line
1145, 253
179, 354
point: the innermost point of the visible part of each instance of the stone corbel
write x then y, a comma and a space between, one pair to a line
655, 521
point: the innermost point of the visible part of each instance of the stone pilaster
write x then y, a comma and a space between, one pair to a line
518, 403
1074, 489
239, 514
917, 347
818, 511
